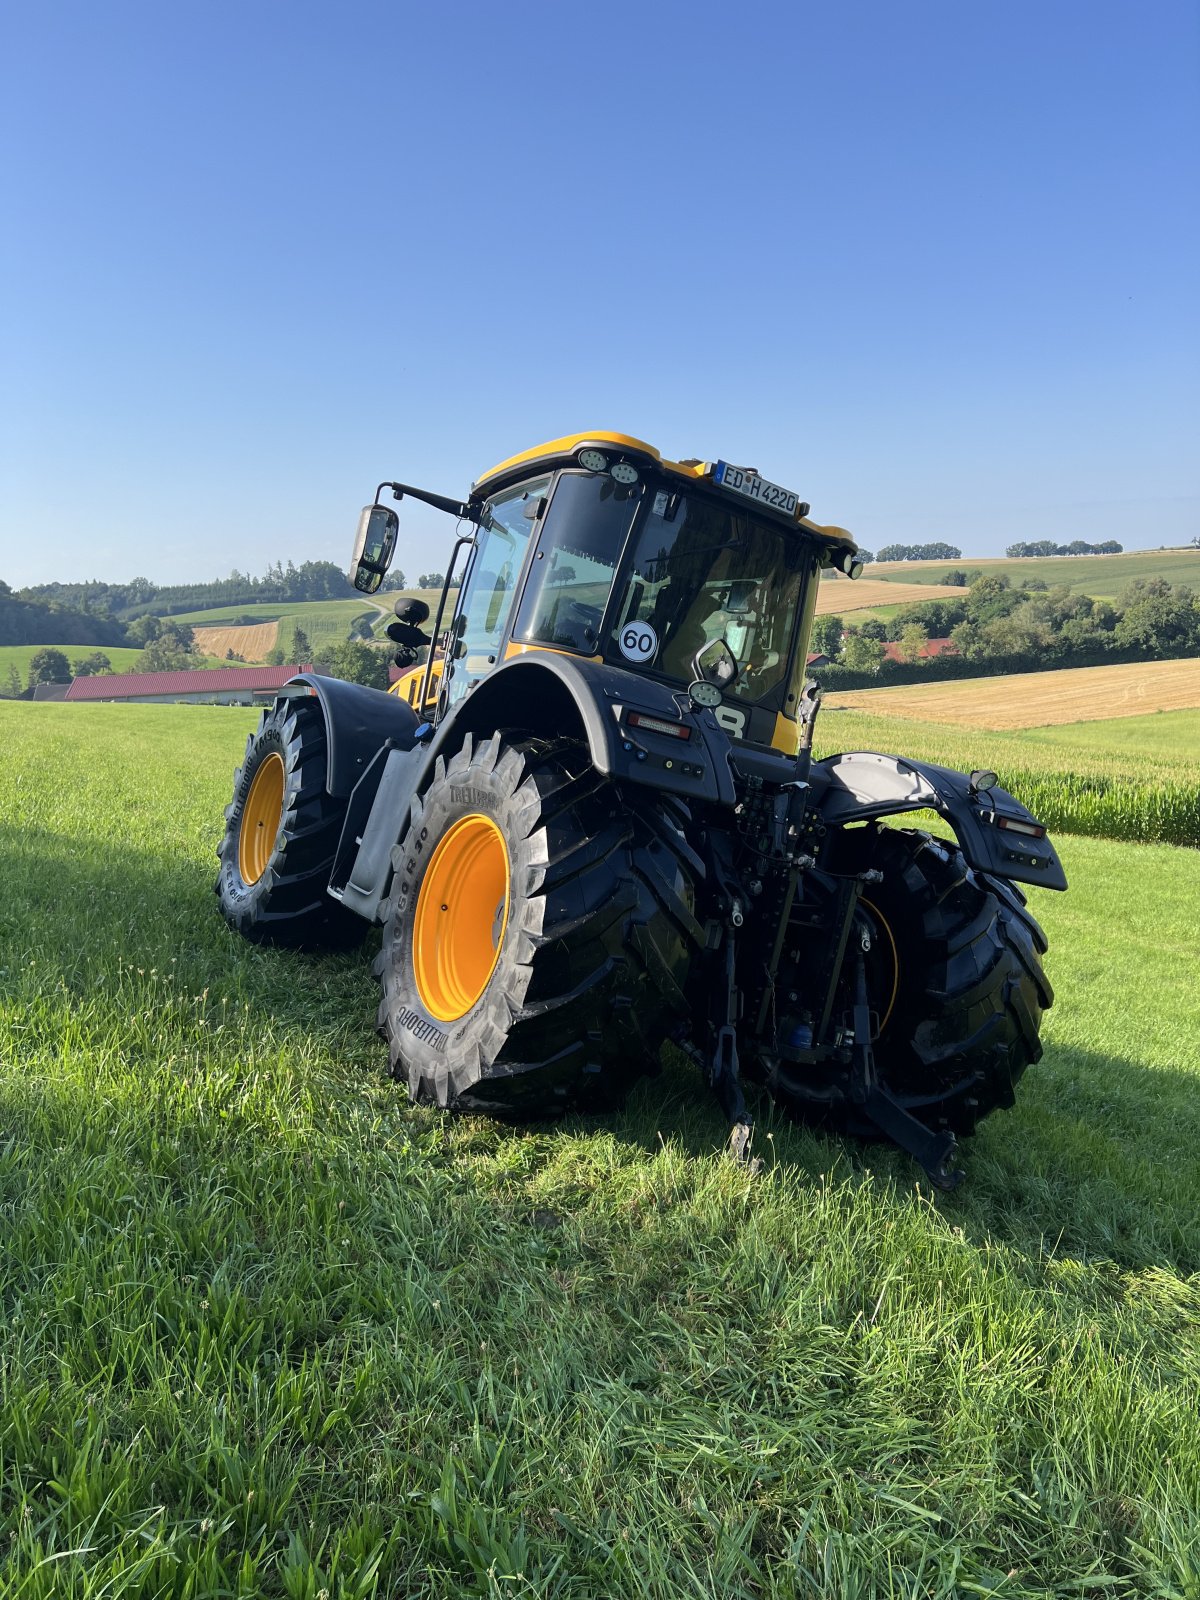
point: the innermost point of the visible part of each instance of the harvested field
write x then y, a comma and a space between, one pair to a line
251, 643
1038, 699
839, 594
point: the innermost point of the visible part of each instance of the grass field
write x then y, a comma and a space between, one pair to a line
324, 621
272, 1331
1037, 699
1132, 778
122, 658
1103, 577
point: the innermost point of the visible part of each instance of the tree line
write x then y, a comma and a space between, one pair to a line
919, 552
998, 626
1077, 547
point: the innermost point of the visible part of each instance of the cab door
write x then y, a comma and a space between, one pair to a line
506, 529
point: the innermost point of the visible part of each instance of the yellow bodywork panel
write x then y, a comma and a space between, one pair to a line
693, 471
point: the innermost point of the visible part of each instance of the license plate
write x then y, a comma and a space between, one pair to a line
755, 488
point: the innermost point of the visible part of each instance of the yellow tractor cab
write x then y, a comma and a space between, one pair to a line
595, 545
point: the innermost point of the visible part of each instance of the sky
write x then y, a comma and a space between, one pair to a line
934, 266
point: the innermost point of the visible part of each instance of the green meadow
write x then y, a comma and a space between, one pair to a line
271, 1330
1103, 577
123, 658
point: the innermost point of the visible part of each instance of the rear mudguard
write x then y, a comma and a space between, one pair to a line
861, 786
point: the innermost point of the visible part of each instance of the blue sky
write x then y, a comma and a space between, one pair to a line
932, 265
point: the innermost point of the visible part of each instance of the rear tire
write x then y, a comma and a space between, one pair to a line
560, 994
969, 988
281, 834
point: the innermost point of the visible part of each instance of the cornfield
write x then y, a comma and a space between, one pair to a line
1135, 779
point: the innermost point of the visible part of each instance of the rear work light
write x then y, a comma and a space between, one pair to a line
673, 730
1014, 825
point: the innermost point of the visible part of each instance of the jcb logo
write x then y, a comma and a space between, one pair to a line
731, 719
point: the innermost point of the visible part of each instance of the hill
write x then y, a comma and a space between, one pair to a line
1102, 577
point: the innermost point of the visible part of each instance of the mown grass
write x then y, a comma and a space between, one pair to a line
271, 1330
1135, 779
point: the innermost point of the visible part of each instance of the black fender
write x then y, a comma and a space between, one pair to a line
358, 723
549, 692
860, 786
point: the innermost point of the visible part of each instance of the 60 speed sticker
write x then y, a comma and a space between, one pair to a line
638, 641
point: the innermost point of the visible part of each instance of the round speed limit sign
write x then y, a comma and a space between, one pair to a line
638, 641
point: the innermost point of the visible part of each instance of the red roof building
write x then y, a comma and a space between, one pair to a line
227, 686
930, 649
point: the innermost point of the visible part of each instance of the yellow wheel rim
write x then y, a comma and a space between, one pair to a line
462, 912
261, 816
882, 921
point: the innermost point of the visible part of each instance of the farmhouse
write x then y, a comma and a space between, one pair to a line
929, 650
217, 686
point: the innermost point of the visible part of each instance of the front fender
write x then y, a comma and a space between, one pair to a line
358, 723
547, 692
860, 786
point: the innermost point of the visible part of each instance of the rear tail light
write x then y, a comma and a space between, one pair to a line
673, 730
1033, 830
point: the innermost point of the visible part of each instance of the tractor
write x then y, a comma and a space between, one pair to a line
590, 822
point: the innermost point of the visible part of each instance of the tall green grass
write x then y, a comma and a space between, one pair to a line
270, 1330
1132, 778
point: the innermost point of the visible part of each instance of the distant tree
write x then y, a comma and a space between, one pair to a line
394, 580
92, 666
1161, 618
12, 688
912, 642
862, 654
174, 650
867, 557
873, 628
357, 662
956, 578
827, 637
301, 649
274, 658
232, 655
48, 666
142, 629
4, 588
561, 575
431, 580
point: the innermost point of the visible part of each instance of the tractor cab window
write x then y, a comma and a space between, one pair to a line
505, 528
704, 571
577, 555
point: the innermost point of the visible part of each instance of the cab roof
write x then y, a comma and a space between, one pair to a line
560, 452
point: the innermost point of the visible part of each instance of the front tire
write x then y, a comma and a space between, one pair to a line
538, 934
281, 835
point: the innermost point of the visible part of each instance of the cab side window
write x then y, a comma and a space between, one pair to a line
572, 573
505, 529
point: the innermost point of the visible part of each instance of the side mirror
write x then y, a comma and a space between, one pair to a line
714, 663
374, 547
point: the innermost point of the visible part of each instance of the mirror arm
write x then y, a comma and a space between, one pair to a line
440, 502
